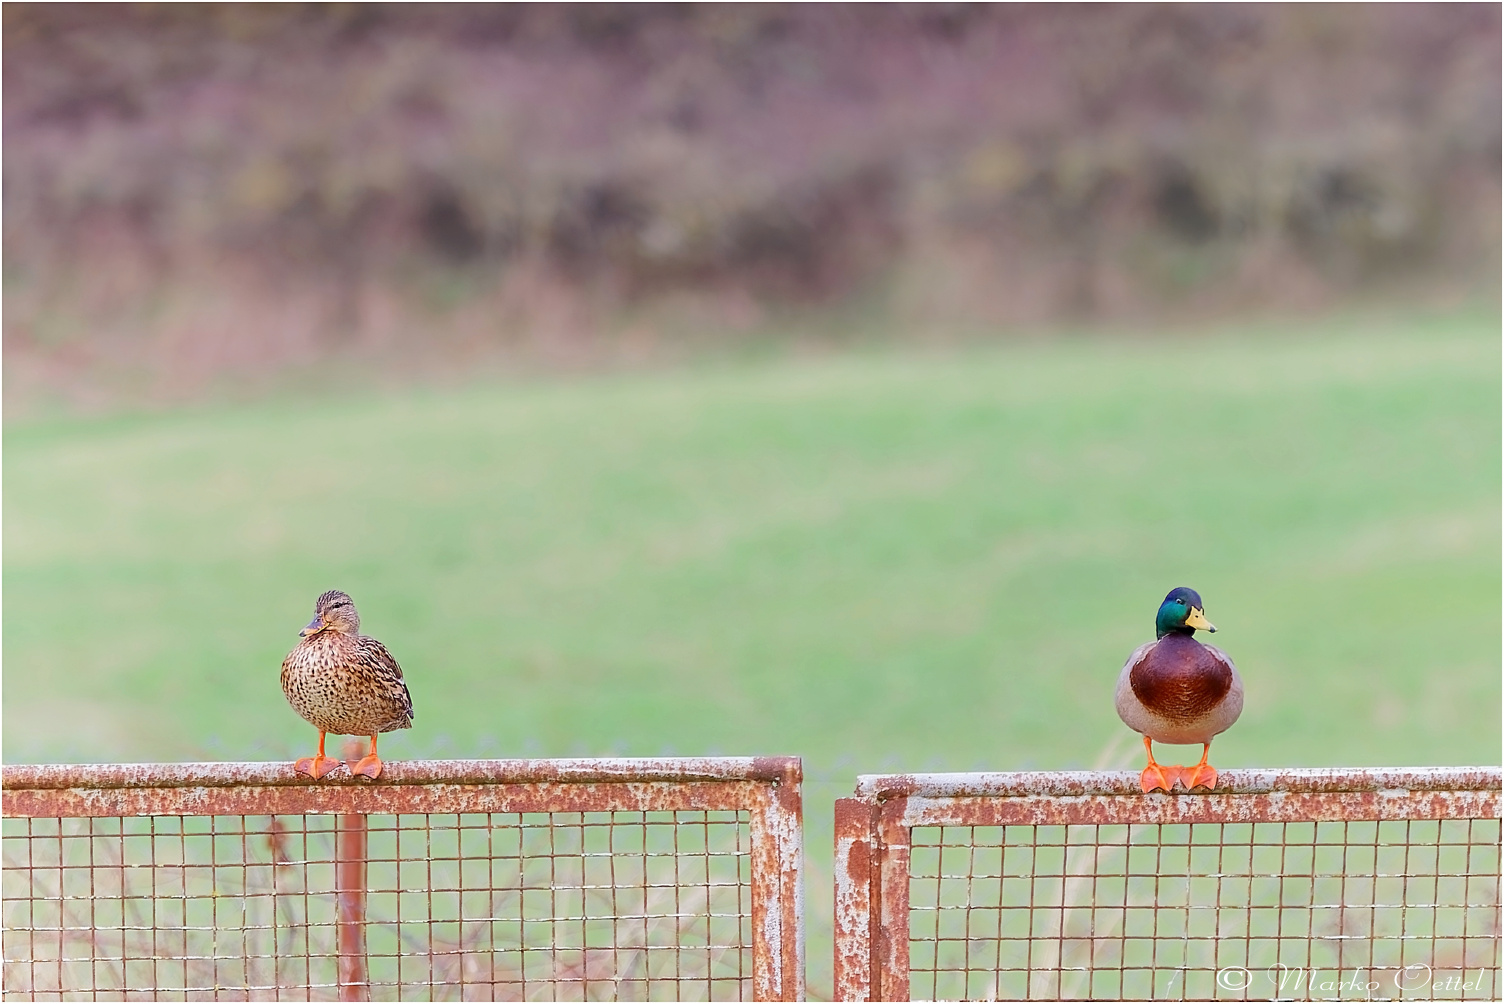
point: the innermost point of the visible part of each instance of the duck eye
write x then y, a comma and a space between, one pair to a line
1180, 601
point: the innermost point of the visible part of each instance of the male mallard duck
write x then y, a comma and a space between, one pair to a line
344, 682
1177, 690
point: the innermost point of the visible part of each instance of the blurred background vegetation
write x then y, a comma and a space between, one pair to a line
848, 381
198, 195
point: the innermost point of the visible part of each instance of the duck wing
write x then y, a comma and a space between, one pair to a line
1133, 659
385, 673
1129, 710
1223, 656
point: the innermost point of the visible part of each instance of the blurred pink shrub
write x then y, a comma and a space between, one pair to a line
366, 172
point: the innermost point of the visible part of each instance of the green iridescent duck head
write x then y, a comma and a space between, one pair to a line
1181, 613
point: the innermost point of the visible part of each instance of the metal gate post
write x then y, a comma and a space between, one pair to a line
856, 883
777, 838
350, 892
890, 972
872, 899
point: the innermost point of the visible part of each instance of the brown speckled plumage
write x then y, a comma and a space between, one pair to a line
342, 681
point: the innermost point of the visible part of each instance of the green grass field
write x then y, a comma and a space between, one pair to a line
881, 560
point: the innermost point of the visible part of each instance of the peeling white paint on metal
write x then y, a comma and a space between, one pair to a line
990, 810
397, 772
777, 887
1229, 782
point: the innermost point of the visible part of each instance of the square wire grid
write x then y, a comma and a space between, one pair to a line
1295, 910
619, 905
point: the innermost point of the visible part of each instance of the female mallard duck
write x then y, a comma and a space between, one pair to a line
1177, 690
344, 682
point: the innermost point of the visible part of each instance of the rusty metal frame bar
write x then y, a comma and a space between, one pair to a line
767, 788
872, 830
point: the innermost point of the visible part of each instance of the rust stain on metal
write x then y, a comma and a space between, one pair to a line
787, 824
855, 834
985, 810
603, 770
1229, 782
318, 798
890, 979
350, 897
777, 887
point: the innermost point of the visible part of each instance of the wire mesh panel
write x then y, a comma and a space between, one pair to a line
1301, 885
671, 889
1163, 910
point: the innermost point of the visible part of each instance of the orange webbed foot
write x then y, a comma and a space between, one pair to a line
369, 766
316, 766
1159, 775
1203, 775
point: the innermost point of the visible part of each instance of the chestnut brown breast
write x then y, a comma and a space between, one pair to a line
1180, 679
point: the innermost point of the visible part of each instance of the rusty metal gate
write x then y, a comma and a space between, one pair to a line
447, 880
1288, 884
